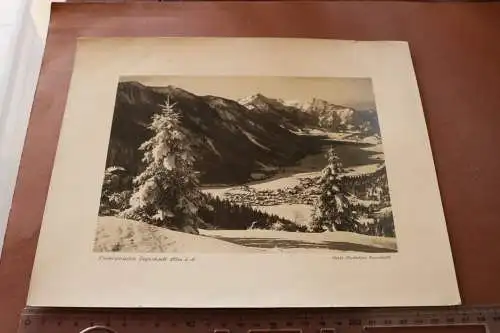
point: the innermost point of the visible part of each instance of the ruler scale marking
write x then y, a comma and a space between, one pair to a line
256, 321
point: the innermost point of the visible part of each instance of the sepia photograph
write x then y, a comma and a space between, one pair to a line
245, 165
181, 155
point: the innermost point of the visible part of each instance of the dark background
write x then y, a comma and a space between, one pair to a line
456, 55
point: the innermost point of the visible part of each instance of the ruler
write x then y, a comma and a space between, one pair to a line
438, 319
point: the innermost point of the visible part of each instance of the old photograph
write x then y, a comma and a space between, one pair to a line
245, 165
269, 172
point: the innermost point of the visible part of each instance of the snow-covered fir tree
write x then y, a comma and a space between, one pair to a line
114, 194
333, 211
166, 193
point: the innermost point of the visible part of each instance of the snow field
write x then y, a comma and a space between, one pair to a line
121, 235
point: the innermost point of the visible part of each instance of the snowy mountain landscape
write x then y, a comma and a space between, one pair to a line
204, 173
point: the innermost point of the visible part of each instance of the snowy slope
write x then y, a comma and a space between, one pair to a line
298, 213
307, 242
122, 235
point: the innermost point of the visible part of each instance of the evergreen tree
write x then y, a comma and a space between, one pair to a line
114, 193
166, 193
333, 210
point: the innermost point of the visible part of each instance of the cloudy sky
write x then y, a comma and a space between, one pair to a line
352, 92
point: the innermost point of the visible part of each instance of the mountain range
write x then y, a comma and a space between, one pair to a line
231, 139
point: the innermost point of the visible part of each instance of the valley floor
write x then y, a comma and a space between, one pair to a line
364, 156
120, 235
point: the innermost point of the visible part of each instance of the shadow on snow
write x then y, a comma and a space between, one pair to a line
269, 243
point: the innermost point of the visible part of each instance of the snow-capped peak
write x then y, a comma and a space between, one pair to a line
252, 99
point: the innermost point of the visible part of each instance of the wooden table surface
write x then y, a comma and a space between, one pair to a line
456, 53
